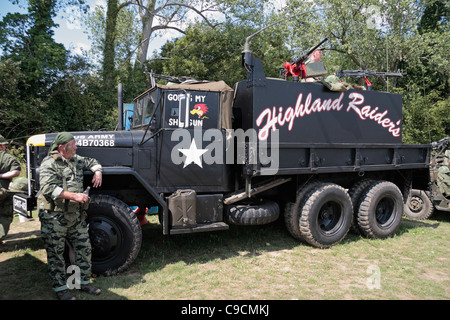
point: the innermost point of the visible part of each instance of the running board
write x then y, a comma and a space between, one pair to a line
216, 226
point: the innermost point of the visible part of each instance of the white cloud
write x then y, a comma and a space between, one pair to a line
81, 47
278, 4
95, 3
73, 24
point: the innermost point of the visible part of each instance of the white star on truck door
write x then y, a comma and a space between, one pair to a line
193, 154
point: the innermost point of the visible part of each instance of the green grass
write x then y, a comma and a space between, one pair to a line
262, 262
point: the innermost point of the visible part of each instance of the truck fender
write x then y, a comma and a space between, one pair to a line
149, 189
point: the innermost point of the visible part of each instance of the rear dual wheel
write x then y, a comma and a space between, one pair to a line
323, 212
321, 215
380, 210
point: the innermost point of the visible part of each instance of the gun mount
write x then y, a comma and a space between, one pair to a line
297, 68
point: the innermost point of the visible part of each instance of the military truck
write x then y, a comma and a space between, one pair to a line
208, 156
421, 204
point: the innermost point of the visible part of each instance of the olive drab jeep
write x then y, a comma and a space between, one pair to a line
422, 203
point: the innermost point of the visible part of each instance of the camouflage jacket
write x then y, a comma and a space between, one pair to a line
7, 163
55, 170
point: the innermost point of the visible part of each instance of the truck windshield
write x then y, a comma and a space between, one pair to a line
143, 108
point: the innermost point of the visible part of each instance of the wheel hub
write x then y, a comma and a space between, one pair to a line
384, 211
104, 238
329, 216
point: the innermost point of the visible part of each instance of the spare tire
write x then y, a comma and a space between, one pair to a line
252, 213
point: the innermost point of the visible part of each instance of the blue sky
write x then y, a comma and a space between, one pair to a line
71, 33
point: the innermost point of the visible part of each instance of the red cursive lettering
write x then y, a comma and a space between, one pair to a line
290, 114
272, 118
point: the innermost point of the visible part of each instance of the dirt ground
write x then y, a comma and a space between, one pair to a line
18, 232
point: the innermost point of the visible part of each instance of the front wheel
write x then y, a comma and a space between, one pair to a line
115, 235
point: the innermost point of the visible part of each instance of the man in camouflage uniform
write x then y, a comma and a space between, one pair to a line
60, 204
9, 169
443, 176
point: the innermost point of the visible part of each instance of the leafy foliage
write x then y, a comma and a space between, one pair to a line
44, 88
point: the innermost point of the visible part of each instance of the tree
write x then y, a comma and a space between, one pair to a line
427, 103
19, 117
43, 88
109, 47
154, 15
116, 59
387, 36
167, 14
40, 56
215, 54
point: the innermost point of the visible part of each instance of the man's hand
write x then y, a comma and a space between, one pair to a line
97, 179
78, 197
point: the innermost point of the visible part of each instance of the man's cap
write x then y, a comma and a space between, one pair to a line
61, 138
3, 140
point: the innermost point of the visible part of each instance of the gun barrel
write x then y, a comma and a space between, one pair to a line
391, 74
366, 73
168, 78
306, 55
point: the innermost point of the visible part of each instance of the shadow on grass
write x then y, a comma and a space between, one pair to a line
26, 276
436, 219
23, 267
158, 250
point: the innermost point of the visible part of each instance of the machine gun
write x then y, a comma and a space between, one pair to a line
169, 78
441, 144
296, 69
365, 73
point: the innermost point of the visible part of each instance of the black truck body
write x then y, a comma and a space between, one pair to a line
208, 156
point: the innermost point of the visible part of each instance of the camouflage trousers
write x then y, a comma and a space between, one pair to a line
6, 216
55, 230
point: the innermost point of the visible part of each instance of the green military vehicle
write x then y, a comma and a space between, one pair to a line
421, 204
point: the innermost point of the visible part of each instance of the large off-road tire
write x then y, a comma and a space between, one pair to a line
115, 234
418, 205
252, 213
326, 215
355, 193
293, 210
380, 211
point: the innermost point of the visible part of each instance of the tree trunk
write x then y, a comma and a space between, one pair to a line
109, 47
147, 30
147, 18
